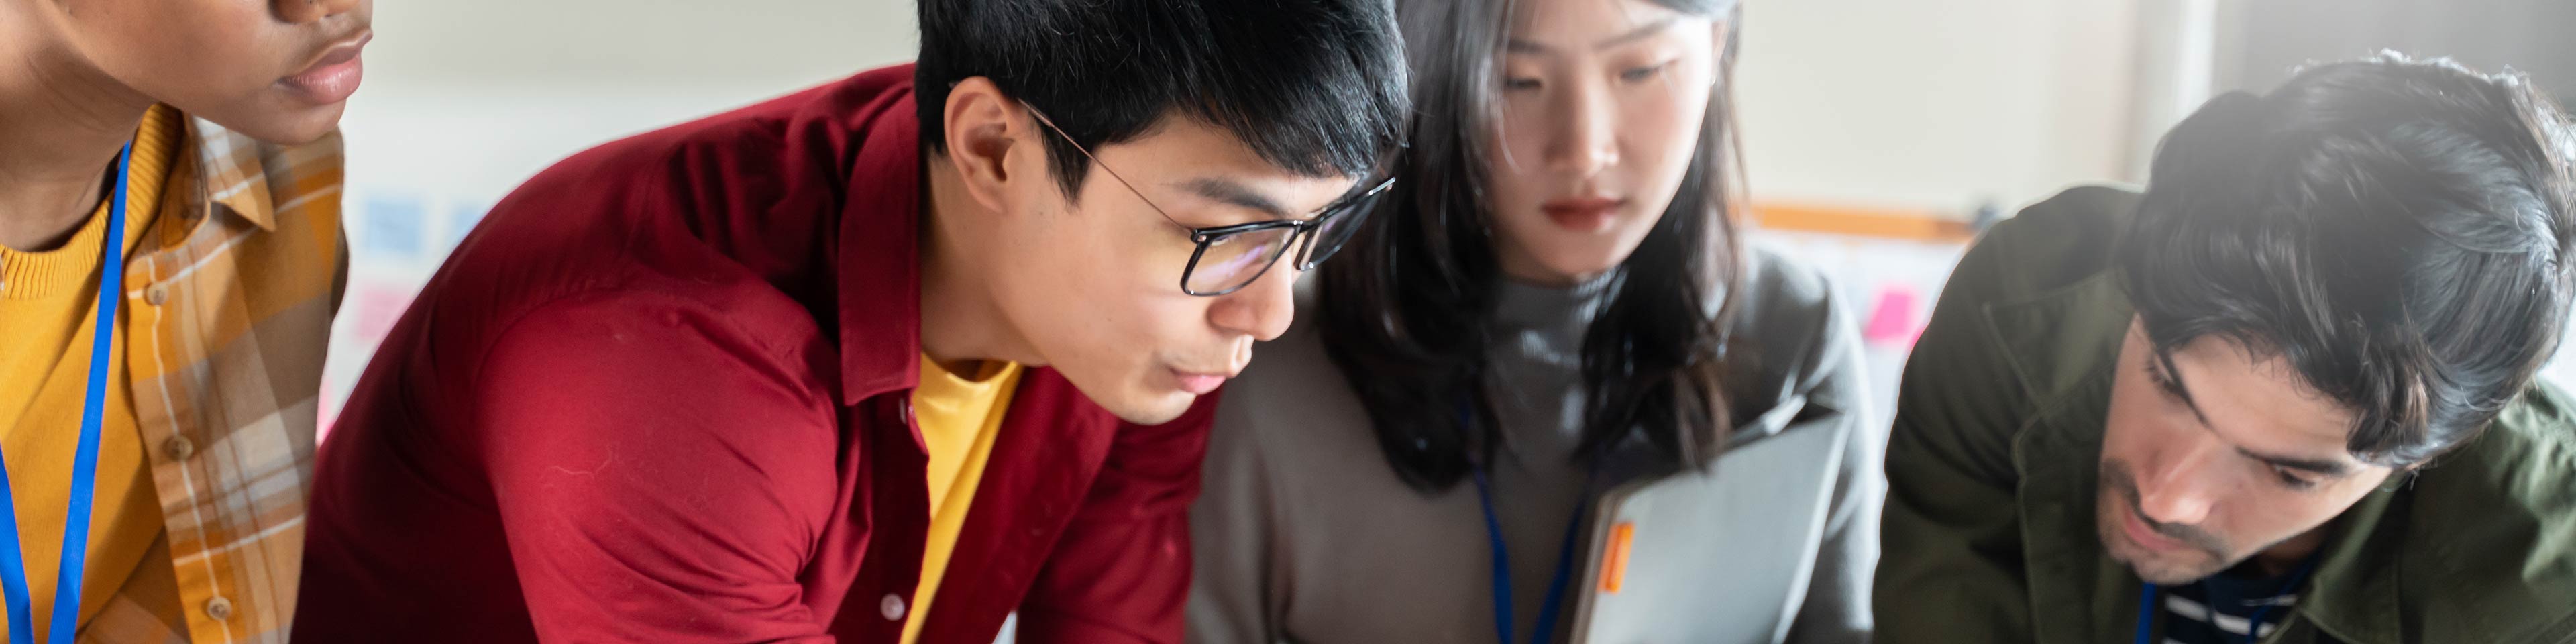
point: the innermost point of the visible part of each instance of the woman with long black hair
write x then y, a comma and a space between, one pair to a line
1555, 300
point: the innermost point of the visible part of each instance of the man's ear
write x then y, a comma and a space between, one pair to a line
983, 127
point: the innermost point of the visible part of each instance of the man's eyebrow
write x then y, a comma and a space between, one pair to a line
2319, 466
1237, 194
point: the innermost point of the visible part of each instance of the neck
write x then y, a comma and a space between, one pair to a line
2286, 556
960, 320
1559, 309
1520, 267
64, 122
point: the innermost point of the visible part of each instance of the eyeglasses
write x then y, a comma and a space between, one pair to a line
1232, 257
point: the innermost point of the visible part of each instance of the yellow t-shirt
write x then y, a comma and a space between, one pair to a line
48, 310
958, 417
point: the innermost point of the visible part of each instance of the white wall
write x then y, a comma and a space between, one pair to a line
1889, 102
633, 42
507, 86
1940, 105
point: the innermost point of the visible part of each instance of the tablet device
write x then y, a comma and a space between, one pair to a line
1714, 556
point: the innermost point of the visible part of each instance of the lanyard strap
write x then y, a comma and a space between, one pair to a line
1547, 613
75, 551
2147, 613
1556, 583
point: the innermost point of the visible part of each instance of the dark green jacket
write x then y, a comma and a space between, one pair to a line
1989, 533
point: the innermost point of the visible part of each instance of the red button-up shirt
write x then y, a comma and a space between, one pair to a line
661, 395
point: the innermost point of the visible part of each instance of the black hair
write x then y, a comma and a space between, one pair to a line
1315, 87
2395, 230
1407, 309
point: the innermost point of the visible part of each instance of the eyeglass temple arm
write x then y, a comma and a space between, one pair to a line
1095, 160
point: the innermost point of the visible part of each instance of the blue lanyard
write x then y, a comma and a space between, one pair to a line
75, 553
1547, 613
2253, 623
2147, 614
1503, 566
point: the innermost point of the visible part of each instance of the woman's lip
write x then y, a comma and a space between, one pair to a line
1582, 214
335, 74
1580, 202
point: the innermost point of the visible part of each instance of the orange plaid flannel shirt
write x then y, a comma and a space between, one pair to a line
228, 309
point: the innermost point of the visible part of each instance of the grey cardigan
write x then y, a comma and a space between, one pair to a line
1303, 533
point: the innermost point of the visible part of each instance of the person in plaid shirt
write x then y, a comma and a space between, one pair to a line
232, 264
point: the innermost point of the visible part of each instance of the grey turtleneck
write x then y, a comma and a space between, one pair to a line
1303, 533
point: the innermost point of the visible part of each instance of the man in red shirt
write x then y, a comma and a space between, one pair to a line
667, 391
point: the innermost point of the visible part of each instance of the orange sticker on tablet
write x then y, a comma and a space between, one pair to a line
1614, 556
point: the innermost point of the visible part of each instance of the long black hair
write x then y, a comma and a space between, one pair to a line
1407, 312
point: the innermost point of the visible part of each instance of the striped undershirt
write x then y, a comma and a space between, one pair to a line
2219, 609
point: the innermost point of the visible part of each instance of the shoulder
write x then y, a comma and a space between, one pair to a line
629, 311
2518, 472
2049, 245
644, 368
698, 344
657, 316
639, 225
2026, 319
801, 141
1785, 300
633, 422
654, 167
2490, 523
2033, 308
1791, 330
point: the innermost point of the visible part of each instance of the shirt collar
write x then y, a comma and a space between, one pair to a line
879, 255
232, 171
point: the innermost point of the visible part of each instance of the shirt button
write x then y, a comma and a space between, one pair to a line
219, 608
906, 408
156, 295
891, 607
179, 448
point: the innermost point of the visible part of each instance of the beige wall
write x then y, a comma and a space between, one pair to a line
1937, 105
1905, 103
632, 42
469, 97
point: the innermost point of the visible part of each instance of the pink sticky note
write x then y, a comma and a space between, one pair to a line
1892, 319
378, 307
